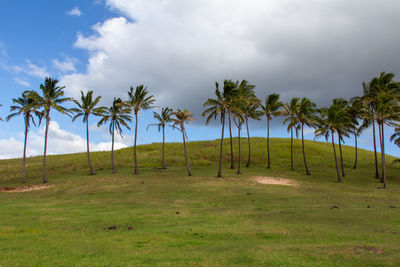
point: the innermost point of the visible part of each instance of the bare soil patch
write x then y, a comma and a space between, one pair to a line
26, 188
273, 180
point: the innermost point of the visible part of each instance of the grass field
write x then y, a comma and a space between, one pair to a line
163, 217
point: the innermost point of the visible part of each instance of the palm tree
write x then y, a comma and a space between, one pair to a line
332, 119
242, 106
1, 118
291, 109
271, 108
357, 112
251, 112
26, 106
230, 93
86, 107
238, 119
305, 116
217, 106
182, 117
51, 98
344, 130
117, 114
163, 118
139, 99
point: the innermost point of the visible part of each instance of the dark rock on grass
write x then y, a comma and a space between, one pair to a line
112, 227
334, 207
177, 212
368, 206
392, 207
130, 228
248, 194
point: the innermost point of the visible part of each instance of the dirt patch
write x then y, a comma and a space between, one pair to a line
27, 188
273, 180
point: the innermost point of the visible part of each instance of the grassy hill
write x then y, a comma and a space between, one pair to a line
163, 217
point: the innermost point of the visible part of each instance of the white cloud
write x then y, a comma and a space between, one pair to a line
180, 48
60, 141
22, 82
3, 52
74, 12
32, 70
68, 65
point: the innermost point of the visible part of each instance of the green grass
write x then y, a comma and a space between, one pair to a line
163, 217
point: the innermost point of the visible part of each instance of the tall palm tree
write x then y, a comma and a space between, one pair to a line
163, 118
51, 98
139, 99
331, 120
117, 114
291, 109
230, 92
251, 112
242, 108
1, 118
86, 107
305, 115
217, 107
27, 106
182, 117
344, 130
357, 112
238, 119
271, 108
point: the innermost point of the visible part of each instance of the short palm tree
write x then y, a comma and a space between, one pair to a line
291, 109
331, 120
139, 99
217, 107
51, 98
163, 118
271, 108
86, 107
305, 116
181, 118
117, 114
26, 106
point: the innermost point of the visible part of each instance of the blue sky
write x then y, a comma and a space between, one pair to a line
179, 49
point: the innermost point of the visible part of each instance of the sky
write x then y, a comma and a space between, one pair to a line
318, 49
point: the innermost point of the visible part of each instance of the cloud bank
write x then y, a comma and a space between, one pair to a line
319, 49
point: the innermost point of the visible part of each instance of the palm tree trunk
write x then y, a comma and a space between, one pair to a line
376, 157
380, 142
230, 136
383, 157
222, 143
163, 144
92, 171
114, 170
24, 157
269, 164
355, 142
291, 148
341, 156
304, 154
336, 163
248, 141
45, 147
184, 148
134, 145
239, 127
